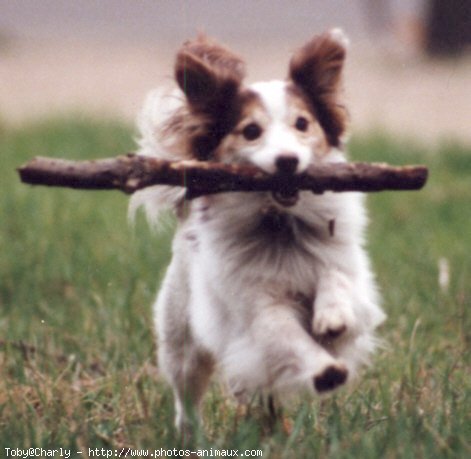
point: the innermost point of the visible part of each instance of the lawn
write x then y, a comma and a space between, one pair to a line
77, 356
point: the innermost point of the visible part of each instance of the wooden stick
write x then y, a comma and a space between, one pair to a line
131, 172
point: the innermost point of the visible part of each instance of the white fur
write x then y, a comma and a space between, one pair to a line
229, 301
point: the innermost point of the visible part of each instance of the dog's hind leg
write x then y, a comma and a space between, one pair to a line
183, 362
189, 385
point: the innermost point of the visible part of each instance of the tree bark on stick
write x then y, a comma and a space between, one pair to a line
131, 172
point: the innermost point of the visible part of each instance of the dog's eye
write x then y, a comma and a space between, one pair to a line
301, 124
252, 131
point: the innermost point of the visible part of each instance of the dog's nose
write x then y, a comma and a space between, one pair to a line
286, 164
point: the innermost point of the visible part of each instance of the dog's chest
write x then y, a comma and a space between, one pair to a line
268, 240
273, 228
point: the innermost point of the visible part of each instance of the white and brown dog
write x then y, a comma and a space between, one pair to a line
274, 291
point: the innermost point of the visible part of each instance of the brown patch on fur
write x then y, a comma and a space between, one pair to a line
303, 107
210, 76
248, 103
317, 68
332, 227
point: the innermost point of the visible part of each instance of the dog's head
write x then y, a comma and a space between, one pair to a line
279, 126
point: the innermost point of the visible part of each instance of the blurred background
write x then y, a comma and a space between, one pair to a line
409, 70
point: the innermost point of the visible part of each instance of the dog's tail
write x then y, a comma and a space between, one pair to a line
160, 126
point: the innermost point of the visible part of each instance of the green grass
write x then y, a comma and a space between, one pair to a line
76, 347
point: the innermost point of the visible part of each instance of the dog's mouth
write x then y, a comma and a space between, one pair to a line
286, 198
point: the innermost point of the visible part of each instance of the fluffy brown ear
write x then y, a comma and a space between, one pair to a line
316, 69
207, 71
210, 76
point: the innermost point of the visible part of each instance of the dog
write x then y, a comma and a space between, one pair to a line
273, 290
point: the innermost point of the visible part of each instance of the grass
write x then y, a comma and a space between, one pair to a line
76, 347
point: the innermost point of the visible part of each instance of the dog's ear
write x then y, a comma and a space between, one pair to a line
210, 76
316, 69
207, 71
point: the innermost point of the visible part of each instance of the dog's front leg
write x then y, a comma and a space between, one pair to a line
334, 315
291, 355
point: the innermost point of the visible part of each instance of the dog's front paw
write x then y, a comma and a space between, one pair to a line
332, 321
332, 377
